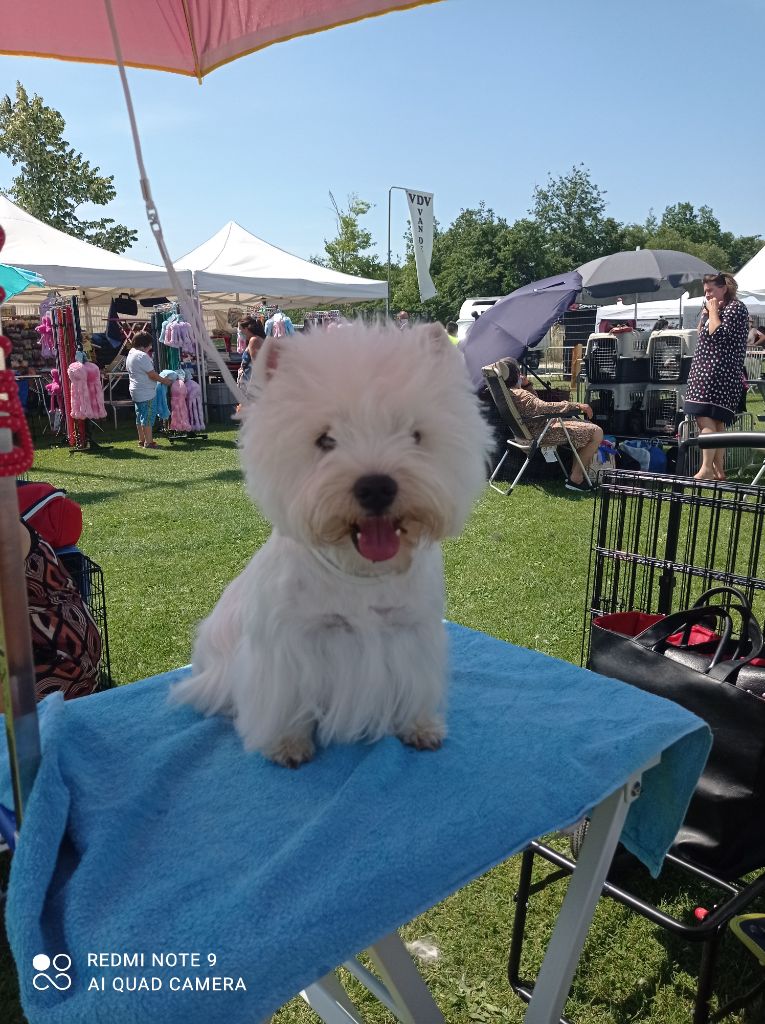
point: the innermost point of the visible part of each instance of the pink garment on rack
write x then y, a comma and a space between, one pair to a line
95, 391
178, 335
54, 390
194, 405
47, 342
78, 391
179, 416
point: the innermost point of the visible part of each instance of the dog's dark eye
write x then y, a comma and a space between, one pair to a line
325, 442
416, 436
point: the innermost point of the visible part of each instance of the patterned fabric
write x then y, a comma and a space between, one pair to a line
717, 370
534, 412
145, 412
65, 639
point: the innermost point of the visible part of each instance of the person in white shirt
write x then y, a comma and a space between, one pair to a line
143, 387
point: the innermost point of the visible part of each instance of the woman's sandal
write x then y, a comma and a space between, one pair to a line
151, 444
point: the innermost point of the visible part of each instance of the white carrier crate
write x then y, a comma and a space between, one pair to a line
662, 407
616, 358
670, 354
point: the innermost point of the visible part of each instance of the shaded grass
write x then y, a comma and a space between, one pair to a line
171, 528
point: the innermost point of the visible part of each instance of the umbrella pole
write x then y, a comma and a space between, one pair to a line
17, 674
185, 301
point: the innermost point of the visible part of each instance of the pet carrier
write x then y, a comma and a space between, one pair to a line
658, 542
670, 354
89, 580
662, 407
616, 358
618, 408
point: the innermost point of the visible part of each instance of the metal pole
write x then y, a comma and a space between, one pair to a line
387, 298
387, 294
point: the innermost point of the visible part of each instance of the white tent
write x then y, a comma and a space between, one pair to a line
69, 264
235, 266
647, 312
751, 290
751, 277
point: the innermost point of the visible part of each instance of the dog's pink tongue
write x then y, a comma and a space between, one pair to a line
377, 539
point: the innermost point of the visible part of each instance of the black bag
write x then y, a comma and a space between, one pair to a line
720, 678
125, 305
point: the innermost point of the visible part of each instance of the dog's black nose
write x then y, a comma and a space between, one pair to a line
375, 493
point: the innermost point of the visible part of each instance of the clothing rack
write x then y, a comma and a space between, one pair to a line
262, 311
67, 336
167, 357
321, 318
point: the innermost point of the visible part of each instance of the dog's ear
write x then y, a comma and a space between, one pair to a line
434, 339
266, 362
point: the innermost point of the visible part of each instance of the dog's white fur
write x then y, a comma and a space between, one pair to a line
313, 640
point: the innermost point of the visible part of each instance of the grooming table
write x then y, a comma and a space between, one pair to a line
150, 832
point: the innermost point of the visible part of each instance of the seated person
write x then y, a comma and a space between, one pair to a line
756, 336
586, 437
66, 643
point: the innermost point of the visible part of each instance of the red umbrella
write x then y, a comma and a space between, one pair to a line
190, 37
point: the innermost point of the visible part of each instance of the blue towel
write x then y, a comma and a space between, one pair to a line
149, 831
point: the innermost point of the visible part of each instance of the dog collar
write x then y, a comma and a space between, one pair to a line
360, 577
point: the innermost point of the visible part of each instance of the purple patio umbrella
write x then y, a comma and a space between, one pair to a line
518, 322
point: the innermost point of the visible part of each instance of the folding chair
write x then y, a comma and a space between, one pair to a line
521, 439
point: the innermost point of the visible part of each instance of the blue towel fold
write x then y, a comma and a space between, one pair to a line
150, 831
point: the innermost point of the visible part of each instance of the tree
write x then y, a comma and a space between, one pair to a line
53, 180
697, 232
349, 252
467, 260
570, 215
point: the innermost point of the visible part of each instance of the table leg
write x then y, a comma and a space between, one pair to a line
565, 947
329, 1000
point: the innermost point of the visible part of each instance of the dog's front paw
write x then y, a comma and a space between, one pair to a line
427, 734
292, 751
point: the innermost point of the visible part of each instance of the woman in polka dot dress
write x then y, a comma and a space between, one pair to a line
716, 382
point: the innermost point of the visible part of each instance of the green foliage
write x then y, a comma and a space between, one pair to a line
349, 251
570, 214
53, 180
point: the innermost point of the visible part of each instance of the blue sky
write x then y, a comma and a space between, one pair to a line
470, 99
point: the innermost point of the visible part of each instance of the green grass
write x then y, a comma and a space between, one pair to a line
170, 529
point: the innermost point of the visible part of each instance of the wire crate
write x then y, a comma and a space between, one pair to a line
89, 580
658, 542
616, 358
662, 406
670, 354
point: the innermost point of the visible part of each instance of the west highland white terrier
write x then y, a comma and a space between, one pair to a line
364, 447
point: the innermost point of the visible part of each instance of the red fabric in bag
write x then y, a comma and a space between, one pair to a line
47, 510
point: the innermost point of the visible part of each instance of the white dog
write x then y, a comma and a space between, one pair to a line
364, 447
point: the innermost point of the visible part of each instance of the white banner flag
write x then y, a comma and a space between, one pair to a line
421, 216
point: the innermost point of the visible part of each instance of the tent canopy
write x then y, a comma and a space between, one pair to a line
751, 277
235, 266
68, 263
645, 310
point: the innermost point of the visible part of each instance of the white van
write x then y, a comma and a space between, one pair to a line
470, 306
